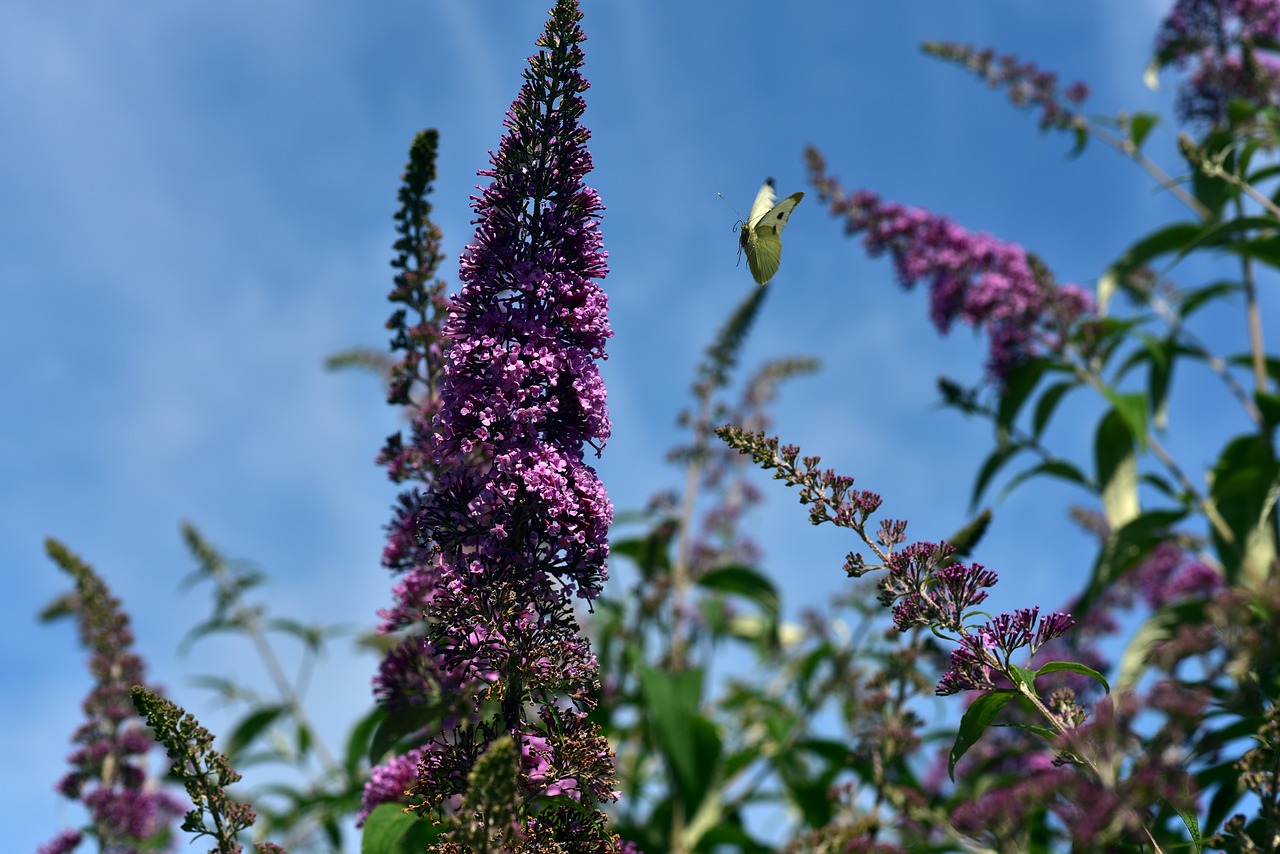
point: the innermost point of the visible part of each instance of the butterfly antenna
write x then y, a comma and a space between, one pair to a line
732, 208
740, 220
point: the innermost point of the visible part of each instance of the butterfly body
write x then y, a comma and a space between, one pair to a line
761, 233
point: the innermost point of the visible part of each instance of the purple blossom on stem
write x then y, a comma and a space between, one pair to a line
926, 588
975, 278
515, 521
390, 781
108, 768
413, 676
1170, 573
1026, 84
991, 648
1219, 42
521, 389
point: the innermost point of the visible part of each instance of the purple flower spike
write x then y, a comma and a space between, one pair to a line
514, 525
522, 393
975, 278
109, 765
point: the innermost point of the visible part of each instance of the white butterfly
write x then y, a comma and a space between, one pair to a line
761, 233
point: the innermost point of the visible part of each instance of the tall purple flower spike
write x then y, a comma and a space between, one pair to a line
515, 519
522, 393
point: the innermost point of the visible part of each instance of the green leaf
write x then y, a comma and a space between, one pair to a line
210, 626
1108, 334
1225, 778
360, 739
965, 540
977, 718
1054, 468
1019, 384
1162, 352
1048, 403
1211, 191
1248, 236
990, 468
689, 742
1196, 298
1075, 667
1173, 238
249, 729
1125, 548
1259, 176
1245, 360
732, 835
834, 752
1116, 463
302, 740
390, 830
1156, 629
746, 582
1081, 140
1023, 678
652, 552
1042, 731
395, 726
1132, 409
739, 760
1188, 817
311, 637
1163, 485
1245, 485
1140, 124
1263, 249
813, 799
1268, 404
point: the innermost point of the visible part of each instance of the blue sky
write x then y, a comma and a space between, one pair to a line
197, 204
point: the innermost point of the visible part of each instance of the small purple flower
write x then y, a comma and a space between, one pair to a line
63, 843
1051, 627
992, 647
390, 781
970, 668
1170, 573
926, 590
974, 278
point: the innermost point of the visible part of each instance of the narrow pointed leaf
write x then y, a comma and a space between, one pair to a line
977, 718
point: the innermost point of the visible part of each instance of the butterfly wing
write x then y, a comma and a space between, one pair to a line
764, 253
780, 214
762, 204
763, 236
760, 234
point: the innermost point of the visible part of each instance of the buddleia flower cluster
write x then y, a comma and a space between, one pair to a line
924, 586
127, 811
1225, 47
973, 278
1026, 84
515, 521
412, 680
